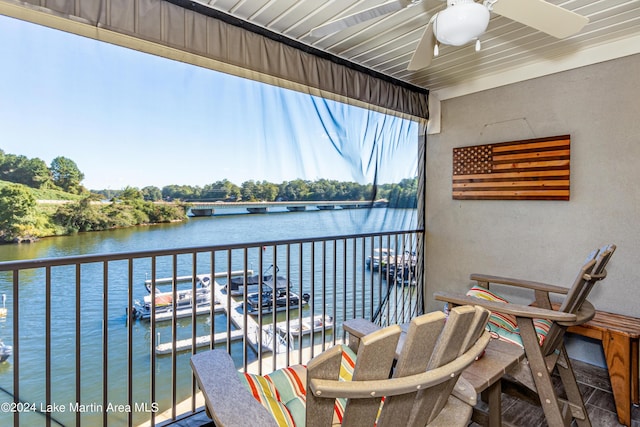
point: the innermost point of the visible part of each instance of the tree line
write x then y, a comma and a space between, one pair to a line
402, 194
23, 181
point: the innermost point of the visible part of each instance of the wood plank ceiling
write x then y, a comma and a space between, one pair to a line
510, 51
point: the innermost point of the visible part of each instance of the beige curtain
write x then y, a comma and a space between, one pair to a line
166, 29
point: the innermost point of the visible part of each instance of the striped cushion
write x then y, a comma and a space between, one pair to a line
265, 392
347, 365
283, 392
291, 384
504, 326
496, 320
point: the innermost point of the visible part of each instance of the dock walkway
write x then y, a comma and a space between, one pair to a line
235, 312
201, 341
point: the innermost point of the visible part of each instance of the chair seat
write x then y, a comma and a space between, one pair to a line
283, 392
504, 326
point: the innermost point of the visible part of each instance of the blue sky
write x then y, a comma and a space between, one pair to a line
128, 118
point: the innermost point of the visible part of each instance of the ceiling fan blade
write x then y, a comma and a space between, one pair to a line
546, 17
424, 51
358, 17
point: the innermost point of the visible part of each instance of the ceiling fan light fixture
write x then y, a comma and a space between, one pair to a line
461, 22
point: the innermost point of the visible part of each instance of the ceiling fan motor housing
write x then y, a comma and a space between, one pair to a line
461, 22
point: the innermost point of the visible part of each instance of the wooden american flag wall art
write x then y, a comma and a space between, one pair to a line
533, 169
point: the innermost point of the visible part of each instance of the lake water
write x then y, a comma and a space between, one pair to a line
219, 229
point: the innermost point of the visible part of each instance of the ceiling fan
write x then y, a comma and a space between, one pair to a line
465, 20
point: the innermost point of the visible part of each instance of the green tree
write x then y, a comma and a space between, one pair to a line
182, 192
81, 216
294, 190
266, 191
165, 212
233, 192
249, 191
221, 190
131, 194
39, 175
33, 173
403, 194
66, 175
106, 194
12, 168
137, 209
152, 193
17, 213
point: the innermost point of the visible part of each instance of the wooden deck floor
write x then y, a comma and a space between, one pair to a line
596, 391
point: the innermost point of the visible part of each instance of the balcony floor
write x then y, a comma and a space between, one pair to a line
593, 380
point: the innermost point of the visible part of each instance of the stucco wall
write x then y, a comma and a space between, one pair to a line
599, 106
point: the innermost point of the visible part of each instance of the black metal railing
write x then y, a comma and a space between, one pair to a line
93, 346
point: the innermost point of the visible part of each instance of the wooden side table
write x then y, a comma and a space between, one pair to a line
620, 338
485, 376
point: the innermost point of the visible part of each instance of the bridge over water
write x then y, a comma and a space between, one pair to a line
210, 208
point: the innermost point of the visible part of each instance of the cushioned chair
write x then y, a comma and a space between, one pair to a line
539, 330
344, 387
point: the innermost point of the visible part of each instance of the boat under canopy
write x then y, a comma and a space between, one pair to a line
285, 299
184, 303
238, 286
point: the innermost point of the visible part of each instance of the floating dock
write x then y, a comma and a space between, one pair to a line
202, 341
188, 312
256, 338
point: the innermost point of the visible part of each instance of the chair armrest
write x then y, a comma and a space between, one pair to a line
397, 386
218, 380
528, 284
465, 392
359, 327
587, 312
517, 310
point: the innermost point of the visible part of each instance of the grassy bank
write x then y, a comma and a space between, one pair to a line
28, 214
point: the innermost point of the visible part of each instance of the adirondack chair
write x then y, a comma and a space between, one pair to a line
342, 387
540, 330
